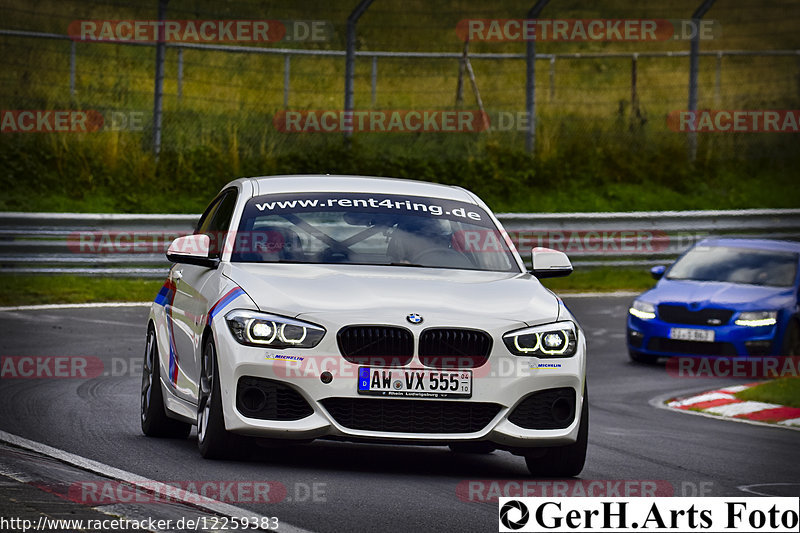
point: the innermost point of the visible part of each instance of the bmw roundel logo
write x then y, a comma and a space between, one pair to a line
414, 318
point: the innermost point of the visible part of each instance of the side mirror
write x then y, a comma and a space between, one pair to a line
658, 271
549, 263
192, 250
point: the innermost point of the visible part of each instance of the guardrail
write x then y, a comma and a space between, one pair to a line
133, 245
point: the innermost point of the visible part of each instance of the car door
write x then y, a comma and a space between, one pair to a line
190, 306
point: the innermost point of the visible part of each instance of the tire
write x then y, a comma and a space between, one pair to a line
644, 358
791, 338
562, 461
472, 447
155, 422
213, 440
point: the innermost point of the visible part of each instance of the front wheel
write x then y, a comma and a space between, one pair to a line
155, 422
562, 461
213, 440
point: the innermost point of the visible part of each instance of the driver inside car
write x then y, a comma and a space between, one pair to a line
271, 245
417, 236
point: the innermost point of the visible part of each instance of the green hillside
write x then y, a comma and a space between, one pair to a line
594, 150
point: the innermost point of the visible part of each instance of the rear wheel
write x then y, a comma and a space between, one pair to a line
644, 358
791, 338
562, 461
155, 422
213, 440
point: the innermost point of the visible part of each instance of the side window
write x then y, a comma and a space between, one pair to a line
221, 220
216, 221
205, 221
220, 223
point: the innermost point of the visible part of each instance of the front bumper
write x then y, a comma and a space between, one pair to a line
505, 381
652, 337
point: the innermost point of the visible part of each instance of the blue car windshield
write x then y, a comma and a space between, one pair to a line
736, 265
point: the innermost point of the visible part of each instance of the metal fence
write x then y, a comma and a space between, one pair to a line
210, 91
287, 54
134, 245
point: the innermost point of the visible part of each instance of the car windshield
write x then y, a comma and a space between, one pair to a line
371, 229
736, 265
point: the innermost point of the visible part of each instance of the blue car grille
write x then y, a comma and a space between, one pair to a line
661, 344
680, 314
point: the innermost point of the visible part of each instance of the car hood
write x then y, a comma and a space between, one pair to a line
719, 294
372, 293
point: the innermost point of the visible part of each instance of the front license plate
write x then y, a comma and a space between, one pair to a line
414, 383
689, 334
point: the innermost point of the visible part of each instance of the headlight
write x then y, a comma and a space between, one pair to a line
757, 318
643, 310
261, 329
559, 339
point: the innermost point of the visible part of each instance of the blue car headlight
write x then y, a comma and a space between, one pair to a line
643, 310
757, 318
252, 328
559, 339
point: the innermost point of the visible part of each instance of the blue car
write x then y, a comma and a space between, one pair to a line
723, 297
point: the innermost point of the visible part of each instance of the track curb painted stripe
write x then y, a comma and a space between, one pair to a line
148, 485
683, 402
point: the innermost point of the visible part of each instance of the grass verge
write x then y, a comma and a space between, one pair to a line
602, 280
782, 391
32, 290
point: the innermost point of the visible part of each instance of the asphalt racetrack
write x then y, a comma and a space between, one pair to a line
336, 486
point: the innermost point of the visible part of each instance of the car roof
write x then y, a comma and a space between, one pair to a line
309, 183
759, 244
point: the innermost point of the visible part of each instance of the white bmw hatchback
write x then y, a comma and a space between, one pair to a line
364, 309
